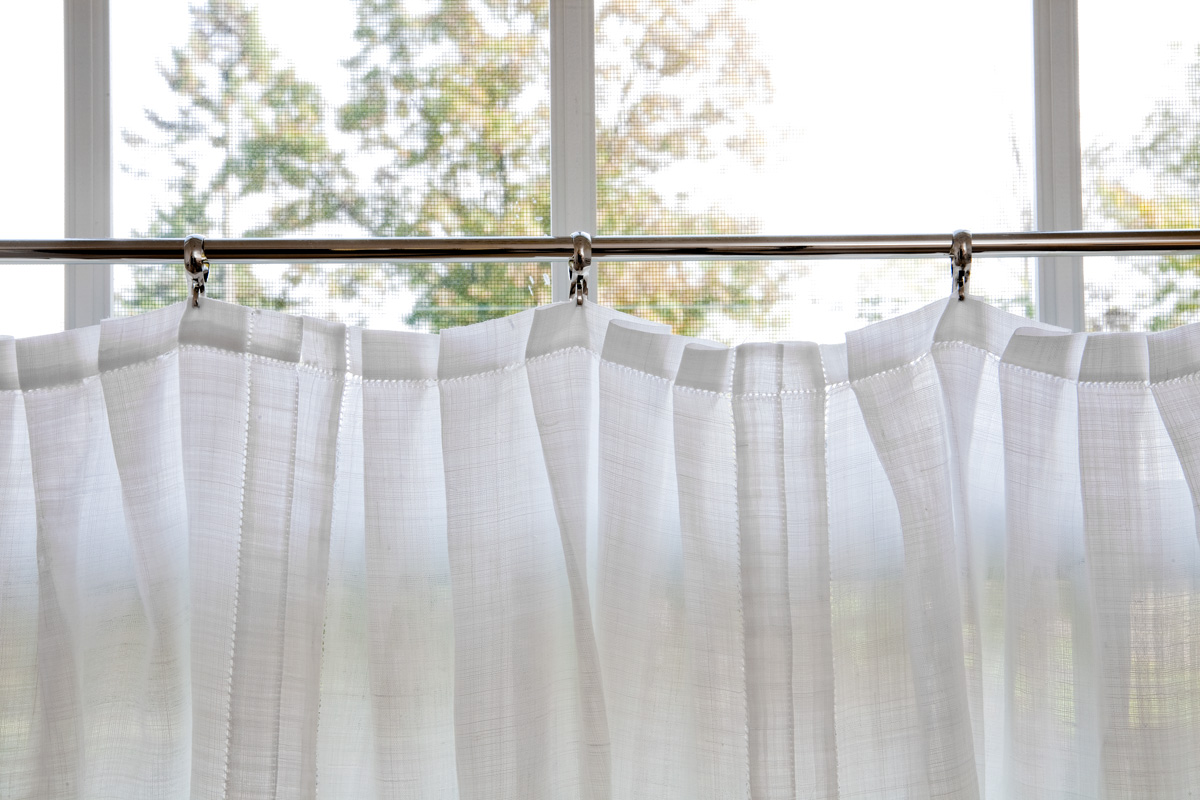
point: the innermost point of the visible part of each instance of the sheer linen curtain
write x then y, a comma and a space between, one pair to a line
567, 554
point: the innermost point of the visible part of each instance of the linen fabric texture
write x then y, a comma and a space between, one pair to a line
566, 554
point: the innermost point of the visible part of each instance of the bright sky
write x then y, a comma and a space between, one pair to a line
887, 117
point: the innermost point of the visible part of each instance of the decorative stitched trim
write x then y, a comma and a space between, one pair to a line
1191, 377
237, 573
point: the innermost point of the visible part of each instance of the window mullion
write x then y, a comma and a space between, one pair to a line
88, 287
1059, 175
572, 129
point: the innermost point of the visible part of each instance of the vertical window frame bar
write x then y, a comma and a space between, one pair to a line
572, 130
88, 168
1058, 174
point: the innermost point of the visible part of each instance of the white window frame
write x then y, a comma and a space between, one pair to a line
572, 129
87, 287
1058, 175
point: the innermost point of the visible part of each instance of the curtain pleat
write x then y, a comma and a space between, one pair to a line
710, 546
967, 345
640, 587
345, 732
874, 705
1142, 559
94, 637
139, 379
214, 389
800, 453
1053, 746
563, 373
407, 689
516, 675
757, 445
568, 554
901, 399
19, 589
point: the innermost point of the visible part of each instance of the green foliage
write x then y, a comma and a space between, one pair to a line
263, 128
675, 81
449, 100
462, 139
1169, 149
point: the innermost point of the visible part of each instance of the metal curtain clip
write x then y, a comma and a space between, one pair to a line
960, 263
196, 264
581, 259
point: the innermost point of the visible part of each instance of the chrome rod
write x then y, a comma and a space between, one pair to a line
610, 248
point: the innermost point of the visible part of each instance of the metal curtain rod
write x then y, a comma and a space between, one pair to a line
614, 248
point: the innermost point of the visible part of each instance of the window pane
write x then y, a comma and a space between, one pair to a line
249, 119
31, 163
1139, 79
808, 118
806, 301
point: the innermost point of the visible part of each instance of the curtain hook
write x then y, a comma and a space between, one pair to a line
581, 259
196, 264
960, 263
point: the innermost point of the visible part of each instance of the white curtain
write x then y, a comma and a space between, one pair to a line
567, 554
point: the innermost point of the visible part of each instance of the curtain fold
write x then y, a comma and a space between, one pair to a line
569, 554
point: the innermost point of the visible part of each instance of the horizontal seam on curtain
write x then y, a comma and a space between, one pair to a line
505, 368
945, 344
942, 345
698, 390
332, 373
352, 376
636, 371
95, 375
327, 373
1190, 377
775, 395
1036, 372
430, 382
891, 370
562, 351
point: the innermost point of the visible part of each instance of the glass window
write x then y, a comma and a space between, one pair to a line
31, 163
245, 118
808, 118
380, 119
1139, 76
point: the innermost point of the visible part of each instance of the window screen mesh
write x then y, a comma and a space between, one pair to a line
803, 300
777, 117
381, 118
1140, 130
362, 118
